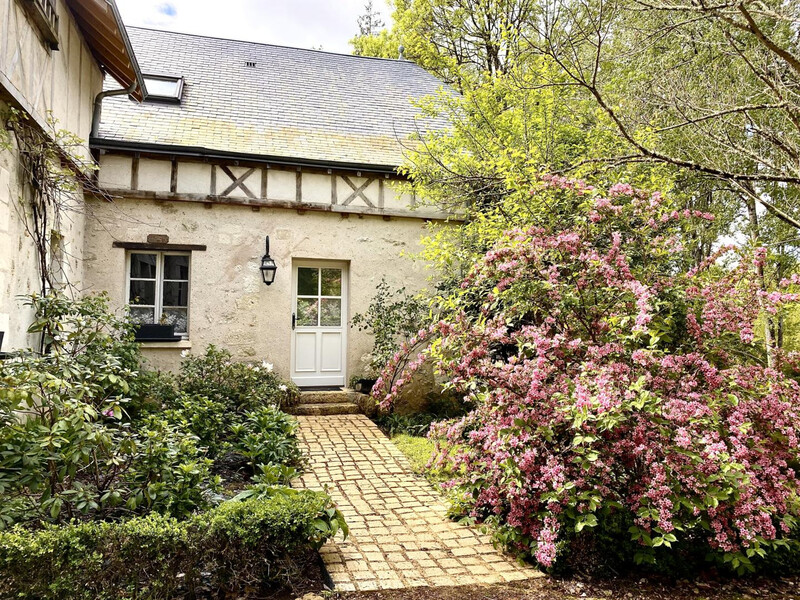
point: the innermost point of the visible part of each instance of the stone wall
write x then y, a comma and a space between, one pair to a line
45, 83
229, 304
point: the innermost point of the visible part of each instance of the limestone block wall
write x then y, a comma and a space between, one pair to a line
229, 304
19, 271
45, 83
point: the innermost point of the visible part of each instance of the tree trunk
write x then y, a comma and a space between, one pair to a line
755, 236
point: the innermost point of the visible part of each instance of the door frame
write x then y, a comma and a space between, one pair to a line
344, 265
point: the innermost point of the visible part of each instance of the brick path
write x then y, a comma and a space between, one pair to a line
399, 532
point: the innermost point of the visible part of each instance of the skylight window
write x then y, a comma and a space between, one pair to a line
163, 88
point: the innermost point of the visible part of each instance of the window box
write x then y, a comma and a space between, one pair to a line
149, 332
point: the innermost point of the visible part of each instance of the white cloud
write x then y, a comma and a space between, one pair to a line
300, 23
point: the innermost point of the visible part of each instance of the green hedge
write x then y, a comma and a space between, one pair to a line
237, 546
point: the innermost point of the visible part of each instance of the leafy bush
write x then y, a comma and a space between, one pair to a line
236, 385
393, 316
87, 440
238, 547
66, 449
232, 408
616, 393
267, 436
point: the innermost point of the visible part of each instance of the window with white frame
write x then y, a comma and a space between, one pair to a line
158, 288
163, 88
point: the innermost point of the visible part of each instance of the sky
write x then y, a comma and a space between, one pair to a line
300, 23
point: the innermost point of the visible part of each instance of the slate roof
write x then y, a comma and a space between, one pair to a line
297, 104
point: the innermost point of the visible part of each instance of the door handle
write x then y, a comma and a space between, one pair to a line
294, 320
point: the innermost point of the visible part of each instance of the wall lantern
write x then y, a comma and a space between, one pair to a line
268, 267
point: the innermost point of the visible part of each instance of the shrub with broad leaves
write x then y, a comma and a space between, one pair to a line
67, 447
235, 385
617, 395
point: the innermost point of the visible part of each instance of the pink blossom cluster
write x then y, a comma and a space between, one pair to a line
605, 380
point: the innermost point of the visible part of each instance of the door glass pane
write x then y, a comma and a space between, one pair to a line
307, 312
331, 313
176, 267
176, 293
143, 266
143, 315
142, 292
331, 282
307, 281
179, 317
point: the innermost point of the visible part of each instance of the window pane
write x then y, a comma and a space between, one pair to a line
142, 292
143, 266
307, 312
331, 282
179, 317
142, 315
176, 293
307, 281
331, 313
162, 87
176, 267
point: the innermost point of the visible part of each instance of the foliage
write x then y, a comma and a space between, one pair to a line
235, 385
232, 408
86, 434
66, 448
457, 40
266, 436
238, 547
393, 316
690, 100
617, 392
89, 443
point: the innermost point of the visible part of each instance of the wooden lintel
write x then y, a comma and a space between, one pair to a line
148, 246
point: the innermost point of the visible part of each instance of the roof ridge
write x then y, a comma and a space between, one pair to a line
225, 39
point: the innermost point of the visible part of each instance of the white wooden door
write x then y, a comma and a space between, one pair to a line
319, 339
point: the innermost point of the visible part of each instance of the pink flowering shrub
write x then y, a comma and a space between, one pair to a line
615, 391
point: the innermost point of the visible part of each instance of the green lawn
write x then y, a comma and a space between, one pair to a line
418, 450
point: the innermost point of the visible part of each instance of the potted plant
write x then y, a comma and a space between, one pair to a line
363, 385
163, 331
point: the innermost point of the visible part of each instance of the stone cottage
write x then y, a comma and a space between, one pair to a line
251, 201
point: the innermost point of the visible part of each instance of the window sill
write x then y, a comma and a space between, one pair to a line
181, 345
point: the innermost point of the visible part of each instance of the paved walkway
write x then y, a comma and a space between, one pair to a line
400, 535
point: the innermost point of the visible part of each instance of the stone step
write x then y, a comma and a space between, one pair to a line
328, 397
318, 409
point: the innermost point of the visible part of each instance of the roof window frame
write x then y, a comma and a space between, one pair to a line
175, 99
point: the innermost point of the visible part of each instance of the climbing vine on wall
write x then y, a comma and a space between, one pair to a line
54, 165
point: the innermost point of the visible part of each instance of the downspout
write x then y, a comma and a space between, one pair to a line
98, 104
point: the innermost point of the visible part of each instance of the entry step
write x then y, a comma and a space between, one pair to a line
328, 396
319, 409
